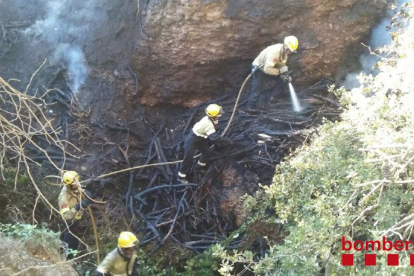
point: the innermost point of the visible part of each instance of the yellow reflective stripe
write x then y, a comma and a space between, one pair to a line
64, 210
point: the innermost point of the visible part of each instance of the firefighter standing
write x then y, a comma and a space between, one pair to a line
198, 139
71, 207
271, 61
122, 261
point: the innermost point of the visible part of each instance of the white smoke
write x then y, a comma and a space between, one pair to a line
65, 28
379, 38
75, 63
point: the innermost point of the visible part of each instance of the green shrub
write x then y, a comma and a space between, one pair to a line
353, 180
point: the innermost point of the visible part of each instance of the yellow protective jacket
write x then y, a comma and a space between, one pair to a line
116, 264
204, 128
271, 59
67, 201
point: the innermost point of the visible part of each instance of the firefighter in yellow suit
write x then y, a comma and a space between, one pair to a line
271, 64
122, 261
203, 133
71, 207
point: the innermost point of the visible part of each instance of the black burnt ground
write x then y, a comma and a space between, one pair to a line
202, 213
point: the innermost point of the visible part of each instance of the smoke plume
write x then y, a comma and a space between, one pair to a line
65, 28
379, 38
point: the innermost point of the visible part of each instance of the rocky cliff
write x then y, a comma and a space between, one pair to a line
191, 50
180, 51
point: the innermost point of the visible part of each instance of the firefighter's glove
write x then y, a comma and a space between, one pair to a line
286, 78
83, 204
283, 69
254, 68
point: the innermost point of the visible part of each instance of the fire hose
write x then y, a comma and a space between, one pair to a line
179, 161
154, 164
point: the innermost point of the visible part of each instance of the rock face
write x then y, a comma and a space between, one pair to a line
15, 259
191, 50
181, 52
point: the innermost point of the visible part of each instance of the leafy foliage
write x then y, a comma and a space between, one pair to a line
26, 231
38, 239
202, 265
354, 180
146, 266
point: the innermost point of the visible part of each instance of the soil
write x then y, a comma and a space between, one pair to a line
117, 76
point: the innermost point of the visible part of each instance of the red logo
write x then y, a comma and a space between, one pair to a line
370, 259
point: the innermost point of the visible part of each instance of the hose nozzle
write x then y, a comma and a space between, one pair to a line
286, 77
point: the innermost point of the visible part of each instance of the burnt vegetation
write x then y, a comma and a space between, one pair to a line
156, 206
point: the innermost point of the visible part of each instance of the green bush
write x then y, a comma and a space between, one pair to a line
41, 235
353, 180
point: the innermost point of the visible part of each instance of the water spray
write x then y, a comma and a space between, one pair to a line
295, 102
294, 97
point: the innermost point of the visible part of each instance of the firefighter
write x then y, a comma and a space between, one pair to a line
271, 61
122, 261
71, 207
199, 137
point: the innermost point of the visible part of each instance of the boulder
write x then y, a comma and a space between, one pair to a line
28, 260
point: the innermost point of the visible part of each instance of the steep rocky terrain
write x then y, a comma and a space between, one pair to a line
195, 49
32, 261
181, 52
135, 65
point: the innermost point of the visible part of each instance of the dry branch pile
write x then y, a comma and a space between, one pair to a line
194, 215
25, 127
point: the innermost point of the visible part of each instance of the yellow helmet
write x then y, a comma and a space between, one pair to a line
69, 177
291, 42
214, 110
127, 240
